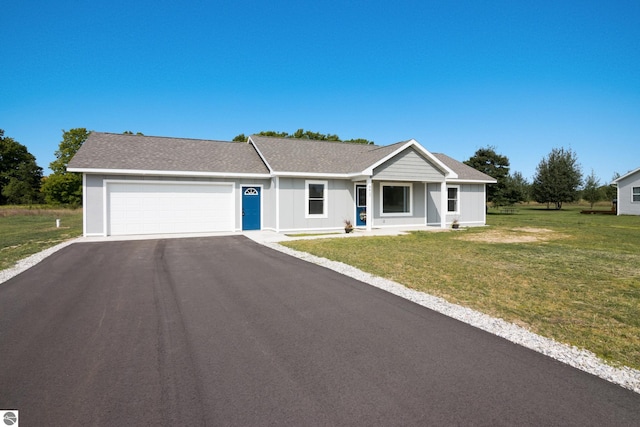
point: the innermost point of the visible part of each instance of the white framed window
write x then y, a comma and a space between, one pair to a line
397, 199
315, 199
635, 194
453, 199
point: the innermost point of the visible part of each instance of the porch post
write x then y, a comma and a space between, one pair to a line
443, 204
276, 182
369, 204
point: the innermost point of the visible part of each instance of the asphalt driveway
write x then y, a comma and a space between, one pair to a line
224, 331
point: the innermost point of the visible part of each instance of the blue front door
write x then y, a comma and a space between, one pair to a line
361, 205
251, 208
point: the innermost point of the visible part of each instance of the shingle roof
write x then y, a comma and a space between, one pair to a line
109, 151
311, 156
464, 172
152, 153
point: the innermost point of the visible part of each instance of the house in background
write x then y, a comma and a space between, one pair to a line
134, 184
628, 193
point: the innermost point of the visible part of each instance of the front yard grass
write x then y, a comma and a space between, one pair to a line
25, 231
561, 274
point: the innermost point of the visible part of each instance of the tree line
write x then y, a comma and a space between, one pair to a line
558, 178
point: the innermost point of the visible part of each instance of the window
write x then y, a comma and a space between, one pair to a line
452, 199
396, 199
361, 197
635, 194
316, 197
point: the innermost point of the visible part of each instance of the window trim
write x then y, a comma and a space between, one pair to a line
457, 199
396, 184
325, 194
634, 194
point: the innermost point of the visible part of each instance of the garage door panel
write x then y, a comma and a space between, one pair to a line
154, 208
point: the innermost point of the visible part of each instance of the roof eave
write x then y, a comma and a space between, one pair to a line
106, 171
628, 174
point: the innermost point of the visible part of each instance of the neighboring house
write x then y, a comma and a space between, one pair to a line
135, 184
629, 193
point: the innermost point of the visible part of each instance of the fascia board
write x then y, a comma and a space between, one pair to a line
449, 173
620, 178
264, 159
471, 181
315, 175
169, 173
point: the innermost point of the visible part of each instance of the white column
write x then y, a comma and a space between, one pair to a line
369, 204
443, 204
276, 182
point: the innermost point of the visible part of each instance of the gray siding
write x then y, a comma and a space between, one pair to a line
418, 214
95, 191
626, 205
340, 204
408, 166
433, 204
471, 205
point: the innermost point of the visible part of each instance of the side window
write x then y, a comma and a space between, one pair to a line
316, 199
636, 194
452, 199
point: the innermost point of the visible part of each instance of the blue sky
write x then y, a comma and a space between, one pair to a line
524, 77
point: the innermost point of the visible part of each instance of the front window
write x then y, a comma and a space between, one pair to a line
316, 197
636, 194
452, 199
396, 199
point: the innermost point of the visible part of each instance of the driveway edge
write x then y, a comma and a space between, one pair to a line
582, 359
28, 262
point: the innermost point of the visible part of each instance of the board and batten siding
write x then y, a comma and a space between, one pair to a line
471, 201
626, 205
408, 166
417, 217
339, 203
94, 192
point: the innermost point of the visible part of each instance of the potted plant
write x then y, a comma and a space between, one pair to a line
348, 227
455, 224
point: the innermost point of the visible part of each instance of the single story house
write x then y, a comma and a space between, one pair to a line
134, 184
628, 193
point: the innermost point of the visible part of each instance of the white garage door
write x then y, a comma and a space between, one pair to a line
156, 208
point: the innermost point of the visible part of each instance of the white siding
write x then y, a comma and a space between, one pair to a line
626, 205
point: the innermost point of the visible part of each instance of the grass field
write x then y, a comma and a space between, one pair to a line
26, 231
562, 274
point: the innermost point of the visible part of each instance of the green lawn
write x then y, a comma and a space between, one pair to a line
25, 231
562, 274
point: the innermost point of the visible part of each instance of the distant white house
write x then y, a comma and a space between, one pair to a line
629, 193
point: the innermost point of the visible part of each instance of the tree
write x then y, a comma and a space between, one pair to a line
611, 191
128, 132
558, 177
20, 176
303, 134
64, 187
517, 189
495, 165
591, 191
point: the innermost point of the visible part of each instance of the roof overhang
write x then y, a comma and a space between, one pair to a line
169, 173
472, 181
628, 174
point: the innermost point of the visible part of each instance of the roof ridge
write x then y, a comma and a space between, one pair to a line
161, 137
